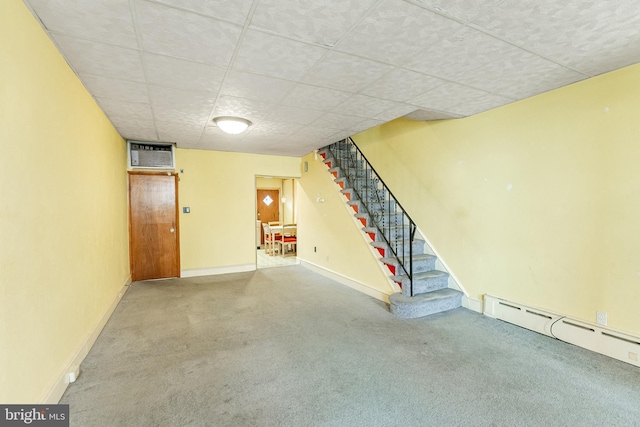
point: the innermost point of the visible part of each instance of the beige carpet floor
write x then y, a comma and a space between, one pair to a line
287, 347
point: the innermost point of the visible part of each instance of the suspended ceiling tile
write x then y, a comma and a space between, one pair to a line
184, 138
463, 10
364, 106
126, 112
321, 22
495, 66
182, 106
120, 90
99, 59
464, 54
264, 142
508, 50
346, 72
108, 21
213, 133
575, 33
229, 10
457, 99
314, 133
240, 107
138, 133
266, 128
395, 30
293, 115
275, 56
529, 80
599, 54
398, 110
560, 22
192, 127
525, 23
401, 85
314, 97
337, 121
180, 74
171, 132
170, 97
214, 139
186, 35
425, 115
612, 58
256, 87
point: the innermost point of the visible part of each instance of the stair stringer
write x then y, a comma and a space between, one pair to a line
393, 286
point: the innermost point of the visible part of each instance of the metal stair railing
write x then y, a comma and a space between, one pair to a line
390, 219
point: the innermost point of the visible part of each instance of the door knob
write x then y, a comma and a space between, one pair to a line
172, 230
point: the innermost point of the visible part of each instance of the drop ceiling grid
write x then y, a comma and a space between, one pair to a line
307, 72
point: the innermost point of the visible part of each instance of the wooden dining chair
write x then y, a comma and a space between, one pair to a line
288, 242
269, 240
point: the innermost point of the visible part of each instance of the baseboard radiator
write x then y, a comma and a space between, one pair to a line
596, 338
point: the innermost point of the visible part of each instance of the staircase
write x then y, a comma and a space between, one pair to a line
425, 289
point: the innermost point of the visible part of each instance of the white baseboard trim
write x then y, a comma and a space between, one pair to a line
596, 338
472, 304
347, 281
72, 369
212, 271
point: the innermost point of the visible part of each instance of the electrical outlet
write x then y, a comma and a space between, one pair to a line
601, 318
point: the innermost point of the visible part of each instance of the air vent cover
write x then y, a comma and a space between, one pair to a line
145, 155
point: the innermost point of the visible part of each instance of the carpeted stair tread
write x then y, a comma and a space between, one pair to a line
392, 233
416, 257
423, 282
418, 245
424, 275
421, 305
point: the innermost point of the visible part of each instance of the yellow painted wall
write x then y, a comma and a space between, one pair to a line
289, 205
63, 210
220, 189
537, 201
329, 227
269, 183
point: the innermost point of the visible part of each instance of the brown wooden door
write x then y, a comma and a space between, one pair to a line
268, 211
154, 238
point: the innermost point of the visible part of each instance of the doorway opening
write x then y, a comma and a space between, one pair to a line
275, 214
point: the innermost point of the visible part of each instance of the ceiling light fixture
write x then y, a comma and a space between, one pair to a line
232, 125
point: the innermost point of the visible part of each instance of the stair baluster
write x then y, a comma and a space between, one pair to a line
425, 289
370, 188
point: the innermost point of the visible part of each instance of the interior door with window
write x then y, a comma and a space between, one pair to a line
154, 237
268, 204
